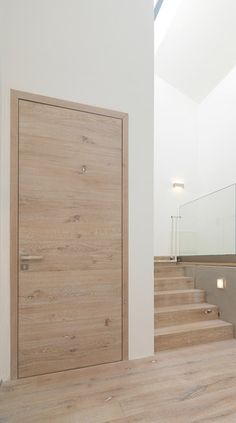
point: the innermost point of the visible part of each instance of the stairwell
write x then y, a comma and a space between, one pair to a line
182, 315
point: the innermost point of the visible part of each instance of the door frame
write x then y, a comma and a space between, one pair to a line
16, 96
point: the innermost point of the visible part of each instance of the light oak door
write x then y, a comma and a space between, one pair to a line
70, 238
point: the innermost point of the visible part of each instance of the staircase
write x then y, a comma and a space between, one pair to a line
182, 316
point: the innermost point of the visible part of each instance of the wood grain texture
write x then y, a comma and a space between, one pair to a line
73, 202
180, 296
194, 384
181, 314
13, 234
70, 214
180, 336
125, 239
163, 270
65, 104
174, 283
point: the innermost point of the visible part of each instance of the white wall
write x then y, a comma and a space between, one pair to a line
164, 20
216, 170
196, 143
186, 33
175, 158
198, 49
217, 136
98, 53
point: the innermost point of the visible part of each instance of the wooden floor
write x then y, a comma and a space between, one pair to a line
194, 384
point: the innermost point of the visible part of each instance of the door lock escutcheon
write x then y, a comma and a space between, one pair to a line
26, 258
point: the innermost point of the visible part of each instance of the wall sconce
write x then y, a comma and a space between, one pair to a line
178, 186
221, 283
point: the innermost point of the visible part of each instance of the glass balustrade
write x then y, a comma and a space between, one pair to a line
207, 225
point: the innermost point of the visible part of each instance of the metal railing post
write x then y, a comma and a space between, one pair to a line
174, 241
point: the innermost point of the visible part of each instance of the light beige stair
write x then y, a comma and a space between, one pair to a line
182, 317
192, 334
168, 270
180, 296
173, 283
183, 314
161, 258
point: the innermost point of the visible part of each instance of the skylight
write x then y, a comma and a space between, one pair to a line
157, 7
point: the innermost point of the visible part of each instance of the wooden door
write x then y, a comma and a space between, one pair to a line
70, 299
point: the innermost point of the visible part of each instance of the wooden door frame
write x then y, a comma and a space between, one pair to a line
16, 96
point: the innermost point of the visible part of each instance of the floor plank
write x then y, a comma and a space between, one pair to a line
194, 384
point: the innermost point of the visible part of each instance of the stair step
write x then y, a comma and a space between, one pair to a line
168, 265
165, 262
173, 283
183, 314
192, 334
168, 270
178, 297
157, 258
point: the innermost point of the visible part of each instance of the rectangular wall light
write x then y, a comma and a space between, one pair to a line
178, 186
221, 283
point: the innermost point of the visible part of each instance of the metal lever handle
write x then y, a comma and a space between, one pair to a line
28, 257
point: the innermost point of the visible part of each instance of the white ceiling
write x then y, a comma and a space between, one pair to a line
198, 48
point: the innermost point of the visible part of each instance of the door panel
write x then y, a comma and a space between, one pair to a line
70, 224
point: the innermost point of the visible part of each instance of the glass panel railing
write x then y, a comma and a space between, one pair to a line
207, 224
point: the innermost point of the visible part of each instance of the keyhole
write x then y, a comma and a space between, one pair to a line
107, 322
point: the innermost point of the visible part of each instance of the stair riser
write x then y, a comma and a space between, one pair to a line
181, 317
178, 299
168, 284
171, 266
165, 272
201, 336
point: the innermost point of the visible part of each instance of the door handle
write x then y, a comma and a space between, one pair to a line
26, 257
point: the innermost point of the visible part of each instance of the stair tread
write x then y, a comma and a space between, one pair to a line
166, 268
165, 261
174, 278
208, 324
170, 263
184, 307
178, 291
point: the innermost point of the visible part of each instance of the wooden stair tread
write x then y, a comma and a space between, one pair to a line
184, 307
178, 291
174, 278
189, 327
179, 296
166, 266
180, 314
173, 283
165, 261
170, 271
